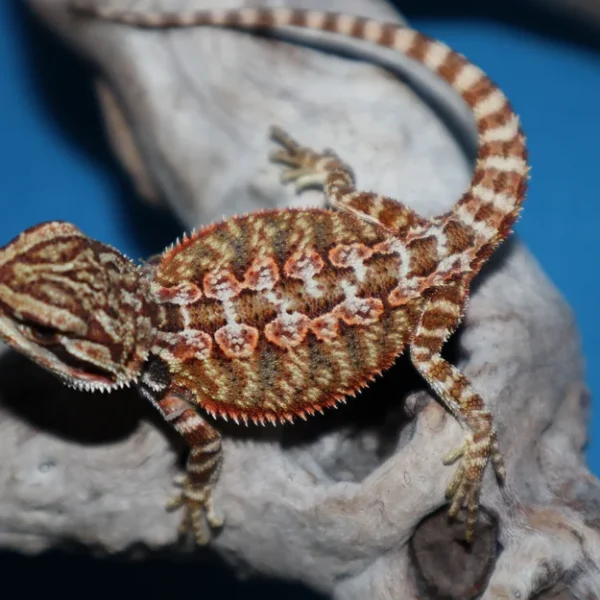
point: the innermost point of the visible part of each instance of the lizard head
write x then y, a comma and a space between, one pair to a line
74, 306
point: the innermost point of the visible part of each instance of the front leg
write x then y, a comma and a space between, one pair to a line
203, 464
439, 319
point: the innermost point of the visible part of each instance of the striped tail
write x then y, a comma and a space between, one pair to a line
493, 200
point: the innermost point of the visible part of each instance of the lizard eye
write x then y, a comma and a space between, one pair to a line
39, 333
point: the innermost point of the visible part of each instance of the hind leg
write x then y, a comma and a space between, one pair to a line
307, 168
439, 319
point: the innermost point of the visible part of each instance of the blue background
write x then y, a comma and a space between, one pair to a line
54, 162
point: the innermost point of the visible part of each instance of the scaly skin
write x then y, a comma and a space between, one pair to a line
279, 314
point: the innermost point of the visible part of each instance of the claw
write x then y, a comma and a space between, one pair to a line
179, 480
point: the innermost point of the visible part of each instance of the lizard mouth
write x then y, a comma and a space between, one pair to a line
46, 347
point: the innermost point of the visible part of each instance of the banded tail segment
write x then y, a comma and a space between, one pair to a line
492, 202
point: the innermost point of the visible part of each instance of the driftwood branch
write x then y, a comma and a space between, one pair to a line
351, 504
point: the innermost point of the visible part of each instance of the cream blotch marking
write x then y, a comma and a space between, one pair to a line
235, 339
306, 266
289, 328
351, 256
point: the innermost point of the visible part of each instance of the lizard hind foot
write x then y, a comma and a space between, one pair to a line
464, 489
302, 166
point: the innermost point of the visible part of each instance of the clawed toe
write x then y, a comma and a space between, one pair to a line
281, 136
291, 153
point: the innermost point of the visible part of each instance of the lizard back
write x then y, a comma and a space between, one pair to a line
284, 312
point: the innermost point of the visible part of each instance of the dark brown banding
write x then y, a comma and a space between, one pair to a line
265, 18
496, 119
458, 388
505, 227
459, 237
388, 35
424, 259
483, 254
358, 28
522, 186
452, 66
436, 319
509, 148
487, 213
441, 370
451, 293
389, 218
478, 176
479, 91
430, 342
234, 18
419, 48
501, 181
298, 18
171, 20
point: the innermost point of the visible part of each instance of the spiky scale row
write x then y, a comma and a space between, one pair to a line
280, 314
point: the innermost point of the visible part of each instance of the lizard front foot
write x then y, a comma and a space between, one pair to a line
199, 516
305, 167
464, 489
